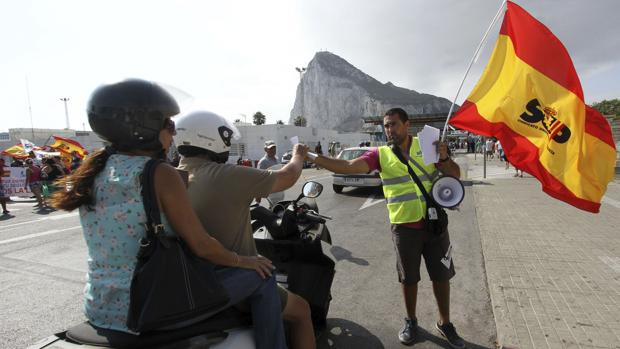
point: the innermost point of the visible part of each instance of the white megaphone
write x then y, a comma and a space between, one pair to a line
448, 192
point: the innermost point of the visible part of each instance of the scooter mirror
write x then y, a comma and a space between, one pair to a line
312, 189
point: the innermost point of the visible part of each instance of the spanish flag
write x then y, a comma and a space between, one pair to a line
68, 146
530, 98
16, 151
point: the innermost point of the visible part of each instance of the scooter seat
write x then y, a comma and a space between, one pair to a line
213, 328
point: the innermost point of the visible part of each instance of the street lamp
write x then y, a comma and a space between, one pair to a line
65, 100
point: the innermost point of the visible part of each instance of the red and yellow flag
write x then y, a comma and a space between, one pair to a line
68, 146
530, 98
16, 151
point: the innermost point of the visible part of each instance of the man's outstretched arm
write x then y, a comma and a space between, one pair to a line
358, 165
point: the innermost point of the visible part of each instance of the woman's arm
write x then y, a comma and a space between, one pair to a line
174, 202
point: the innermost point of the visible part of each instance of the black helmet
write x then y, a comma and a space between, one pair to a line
131, 113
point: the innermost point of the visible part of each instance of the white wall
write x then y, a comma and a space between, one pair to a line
253, 138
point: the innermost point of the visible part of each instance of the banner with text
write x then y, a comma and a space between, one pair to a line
13, 182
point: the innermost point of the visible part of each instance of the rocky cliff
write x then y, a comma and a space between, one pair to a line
333, 94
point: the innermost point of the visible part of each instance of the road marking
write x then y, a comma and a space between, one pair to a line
36, 235
610, 201
371, 201
54, 218
612, 262
13, 203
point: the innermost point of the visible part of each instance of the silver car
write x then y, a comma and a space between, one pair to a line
371, 179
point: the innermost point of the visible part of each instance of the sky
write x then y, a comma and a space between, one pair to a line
237, 57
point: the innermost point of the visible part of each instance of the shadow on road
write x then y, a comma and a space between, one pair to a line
469, 183
45, 210
363, 192
341, 253
341, 333
5, 217
426, 336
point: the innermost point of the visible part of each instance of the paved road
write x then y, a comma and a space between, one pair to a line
553, 271
43, 261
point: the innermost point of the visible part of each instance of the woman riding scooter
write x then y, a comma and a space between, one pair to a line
134, 117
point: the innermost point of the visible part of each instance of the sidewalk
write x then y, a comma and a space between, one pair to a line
553, 271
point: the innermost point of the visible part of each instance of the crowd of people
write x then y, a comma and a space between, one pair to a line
491, 148
41, 177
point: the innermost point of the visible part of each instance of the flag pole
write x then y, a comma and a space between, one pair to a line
473, 60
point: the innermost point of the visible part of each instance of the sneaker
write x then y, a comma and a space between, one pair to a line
5, 212
408, 333
449, 333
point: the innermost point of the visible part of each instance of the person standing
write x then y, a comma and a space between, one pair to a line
3, 197
407, 213
269, 159
319, 151
33, 180
489, 149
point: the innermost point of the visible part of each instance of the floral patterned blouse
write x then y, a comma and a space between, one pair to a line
112, 229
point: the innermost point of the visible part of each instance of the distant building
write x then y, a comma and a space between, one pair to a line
43, 136
416, 122
253, 138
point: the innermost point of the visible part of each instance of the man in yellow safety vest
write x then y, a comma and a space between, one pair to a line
407, 213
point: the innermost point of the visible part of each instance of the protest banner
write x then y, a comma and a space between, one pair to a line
14, 181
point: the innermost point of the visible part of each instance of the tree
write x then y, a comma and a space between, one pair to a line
300, 121
259, 118
279, 122
608, 106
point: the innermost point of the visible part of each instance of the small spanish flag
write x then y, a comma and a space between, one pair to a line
68, 146
530, 98
16, 151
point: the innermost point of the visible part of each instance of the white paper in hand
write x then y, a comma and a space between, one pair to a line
427, 137
294, 140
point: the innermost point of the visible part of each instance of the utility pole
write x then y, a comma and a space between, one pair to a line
30, 109
65, 100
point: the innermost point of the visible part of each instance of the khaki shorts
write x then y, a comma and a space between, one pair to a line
411, 244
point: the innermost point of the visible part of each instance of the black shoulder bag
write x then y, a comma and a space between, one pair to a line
436, 218
170, 284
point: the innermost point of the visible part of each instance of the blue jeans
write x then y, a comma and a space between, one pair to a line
262, 294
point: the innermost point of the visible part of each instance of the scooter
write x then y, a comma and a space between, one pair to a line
294, 236
304, 266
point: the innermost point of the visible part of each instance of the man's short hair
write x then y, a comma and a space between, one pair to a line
269, 144
402, 114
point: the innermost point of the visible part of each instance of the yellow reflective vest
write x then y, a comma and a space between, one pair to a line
405, 201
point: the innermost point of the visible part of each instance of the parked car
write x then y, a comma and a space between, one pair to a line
287, 157
340, 181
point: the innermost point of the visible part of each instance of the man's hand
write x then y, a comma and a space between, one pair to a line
442, 149
300, 149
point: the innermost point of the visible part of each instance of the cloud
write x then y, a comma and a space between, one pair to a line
239, 56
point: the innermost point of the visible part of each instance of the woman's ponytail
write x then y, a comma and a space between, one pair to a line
76, 189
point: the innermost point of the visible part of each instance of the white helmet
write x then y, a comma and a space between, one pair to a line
198, 131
